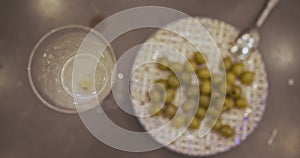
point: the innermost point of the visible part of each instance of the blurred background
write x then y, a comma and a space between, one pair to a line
28, 129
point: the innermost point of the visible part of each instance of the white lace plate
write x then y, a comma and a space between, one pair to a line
244, 121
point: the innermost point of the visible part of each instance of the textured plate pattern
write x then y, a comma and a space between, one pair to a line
244, 121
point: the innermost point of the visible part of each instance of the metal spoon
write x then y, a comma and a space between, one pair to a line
248, 40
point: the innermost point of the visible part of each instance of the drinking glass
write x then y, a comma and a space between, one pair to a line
70, 69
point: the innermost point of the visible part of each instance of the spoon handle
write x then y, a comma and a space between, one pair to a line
271, 4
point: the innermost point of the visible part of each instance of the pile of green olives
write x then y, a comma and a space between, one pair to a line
164, 93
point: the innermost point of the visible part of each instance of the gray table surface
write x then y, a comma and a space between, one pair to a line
28, 129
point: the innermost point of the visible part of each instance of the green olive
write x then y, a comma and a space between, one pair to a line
192, 91
241, 103
201, 112
173, 81
222, 87
155, 95
236, 91
190, 66
176, 67
156, 110
227, 63
198, 58
217, 100
229, 89
247, 77
170, 95
213, 112
204, 101
205, 87
185, 78
238, 69
194, 124
217, 126
189, 106
227, 131
163, 63
230, 78
170, 111
217, 79
203, 73
162, 82
178, 121
228, 104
